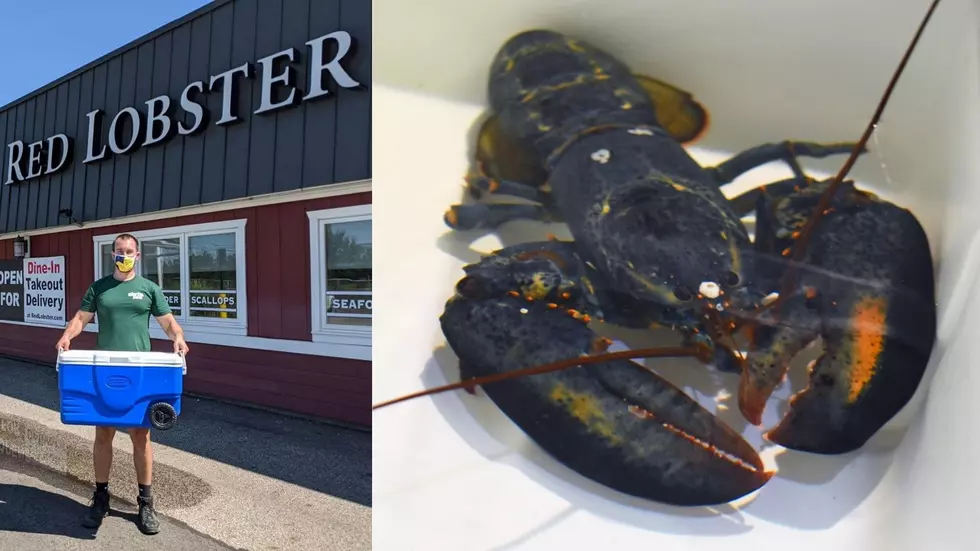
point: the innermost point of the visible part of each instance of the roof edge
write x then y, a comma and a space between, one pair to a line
210, 6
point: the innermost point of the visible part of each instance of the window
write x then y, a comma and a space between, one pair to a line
200, 268
340, 253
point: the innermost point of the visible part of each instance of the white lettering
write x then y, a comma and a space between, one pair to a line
10, 299
227, 80
65, 152
13, 162
286, 78
191, 107
317, 66
94, 130
137, 118
154, 115
157, 124
34, 165
11, 277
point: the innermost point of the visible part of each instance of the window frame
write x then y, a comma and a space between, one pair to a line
320, 330
237, 326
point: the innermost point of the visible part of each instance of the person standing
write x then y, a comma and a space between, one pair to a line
124, 302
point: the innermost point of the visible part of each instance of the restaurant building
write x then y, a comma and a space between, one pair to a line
235, 143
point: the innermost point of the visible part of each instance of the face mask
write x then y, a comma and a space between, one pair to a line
125, 263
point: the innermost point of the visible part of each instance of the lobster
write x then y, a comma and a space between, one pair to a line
656, 243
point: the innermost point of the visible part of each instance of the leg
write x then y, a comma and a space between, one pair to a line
747, 202
480, 184
142, 455
102, 462
102, 453
143, 461
490, 216
786, 151
503, 167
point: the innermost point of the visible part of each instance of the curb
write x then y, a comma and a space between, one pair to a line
71, 455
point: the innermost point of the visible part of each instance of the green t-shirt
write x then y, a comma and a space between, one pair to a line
123, 309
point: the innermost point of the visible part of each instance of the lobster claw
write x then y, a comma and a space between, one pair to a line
615, 422
870, 369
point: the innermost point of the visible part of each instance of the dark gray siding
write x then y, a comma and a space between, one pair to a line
324, 141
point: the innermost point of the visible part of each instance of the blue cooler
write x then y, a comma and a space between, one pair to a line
120, 389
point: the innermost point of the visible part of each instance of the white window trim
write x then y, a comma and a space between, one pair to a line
352, 335
236, 327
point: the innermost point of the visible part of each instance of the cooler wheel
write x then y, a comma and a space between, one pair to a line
163, 416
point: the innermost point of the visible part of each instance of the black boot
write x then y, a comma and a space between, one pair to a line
148, 522
98, 509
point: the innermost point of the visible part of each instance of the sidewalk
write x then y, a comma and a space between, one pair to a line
251, 479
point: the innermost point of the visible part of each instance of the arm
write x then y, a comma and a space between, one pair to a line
170, 326
161, 311
74, 328
173, 330
79, 320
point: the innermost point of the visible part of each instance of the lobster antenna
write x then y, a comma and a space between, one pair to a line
799, 248
665, 352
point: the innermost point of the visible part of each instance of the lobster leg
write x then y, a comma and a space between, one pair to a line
480, 184
745, 203
615, 422
490, 216
787, 151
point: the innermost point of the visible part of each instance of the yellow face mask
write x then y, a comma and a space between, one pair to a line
125, 263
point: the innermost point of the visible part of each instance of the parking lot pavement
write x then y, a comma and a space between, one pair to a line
42, 510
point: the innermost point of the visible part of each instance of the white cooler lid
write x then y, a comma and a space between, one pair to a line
100, 357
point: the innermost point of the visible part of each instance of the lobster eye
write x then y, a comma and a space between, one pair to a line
682, 294
731, 279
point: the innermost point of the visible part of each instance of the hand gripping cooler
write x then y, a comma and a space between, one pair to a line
120, 389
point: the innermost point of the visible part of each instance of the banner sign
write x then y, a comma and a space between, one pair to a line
32, 290
12, 290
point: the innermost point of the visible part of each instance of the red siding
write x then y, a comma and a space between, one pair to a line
277, 261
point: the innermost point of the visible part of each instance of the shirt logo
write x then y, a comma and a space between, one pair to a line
136, 296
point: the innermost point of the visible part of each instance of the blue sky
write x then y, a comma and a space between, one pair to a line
43, 41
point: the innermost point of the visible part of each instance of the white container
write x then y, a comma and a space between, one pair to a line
121, 359
452, 472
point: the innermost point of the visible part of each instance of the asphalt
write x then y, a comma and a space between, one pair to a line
248, 478
42, 510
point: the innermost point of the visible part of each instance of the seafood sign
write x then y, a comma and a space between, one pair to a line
32, 290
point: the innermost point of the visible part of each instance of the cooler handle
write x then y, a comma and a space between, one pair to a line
183, 361
57, 364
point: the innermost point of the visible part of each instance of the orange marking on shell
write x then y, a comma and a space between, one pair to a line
552, 305
566, 295
868, 323
786, 251
514, 294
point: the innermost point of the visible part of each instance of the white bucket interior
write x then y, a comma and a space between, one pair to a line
452, 472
